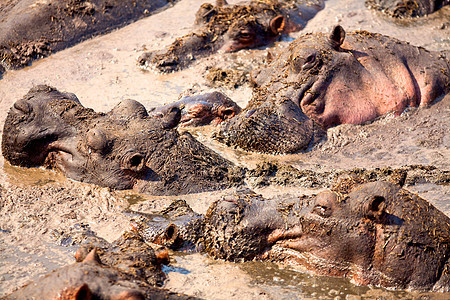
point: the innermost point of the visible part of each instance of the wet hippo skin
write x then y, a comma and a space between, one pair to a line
374, 234
122, 149
323, 80
228, 28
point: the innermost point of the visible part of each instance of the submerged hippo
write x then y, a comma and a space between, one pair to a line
91, 279
375, 233
323, 80
407, 8
233, 27
122, 149
209, 108
33, 29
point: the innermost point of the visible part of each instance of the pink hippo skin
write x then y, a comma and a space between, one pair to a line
354, 79
322, 80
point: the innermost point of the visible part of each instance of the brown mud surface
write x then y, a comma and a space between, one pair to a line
42, 213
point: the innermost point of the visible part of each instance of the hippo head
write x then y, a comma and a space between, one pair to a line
377, 234
277, 126
210, 108
317, 75
122, 149
242, 26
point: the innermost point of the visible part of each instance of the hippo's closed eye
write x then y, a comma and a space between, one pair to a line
303, 62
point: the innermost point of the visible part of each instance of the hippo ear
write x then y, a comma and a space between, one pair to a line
93, 256
83, 292
337, 37
220, 3
376, 208
277, 24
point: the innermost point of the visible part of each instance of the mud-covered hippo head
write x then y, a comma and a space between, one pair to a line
275, 126
223, 27
406, 8
377, 234
210, 108
122, 149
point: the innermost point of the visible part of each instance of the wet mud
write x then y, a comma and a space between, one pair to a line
44, 216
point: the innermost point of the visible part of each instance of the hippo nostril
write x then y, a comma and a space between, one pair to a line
133, 162
228, 113
23, 106
171, 232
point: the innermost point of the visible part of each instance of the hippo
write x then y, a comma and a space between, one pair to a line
91, 279
32, 29
230, 28
320, 81
197, 110
374, 233
122, 149
406, 8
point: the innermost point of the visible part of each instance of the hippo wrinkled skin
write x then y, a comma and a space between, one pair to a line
406, 8
375, 233
323, 80
230, 28
122, 149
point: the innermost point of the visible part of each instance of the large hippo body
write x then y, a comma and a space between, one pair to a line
406, 8
248, 24
123, 149
33, 29
335, 79
376, 233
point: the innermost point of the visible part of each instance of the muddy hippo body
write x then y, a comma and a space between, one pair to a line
33, 29
122, 149
209, 108
91, 279
373, 233
406, 8
229, 28
338, 79
377, 234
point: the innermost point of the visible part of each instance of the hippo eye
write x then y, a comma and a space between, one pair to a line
245, 35
322, 210
309, 62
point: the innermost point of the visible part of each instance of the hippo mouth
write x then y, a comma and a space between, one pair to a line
308, 97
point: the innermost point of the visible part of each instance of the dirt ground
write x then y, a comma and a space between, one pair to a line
42, 212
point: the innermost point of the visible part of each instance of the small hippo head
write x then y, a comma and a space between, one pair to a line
377, 234
277, 126
243, 26
210, 108
122, 149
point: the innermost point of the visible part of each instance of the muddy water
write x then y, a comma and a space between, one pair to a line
102, 71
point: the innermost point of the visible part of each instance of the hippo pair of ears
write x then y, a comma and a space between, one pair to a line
277, 24
337, 37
